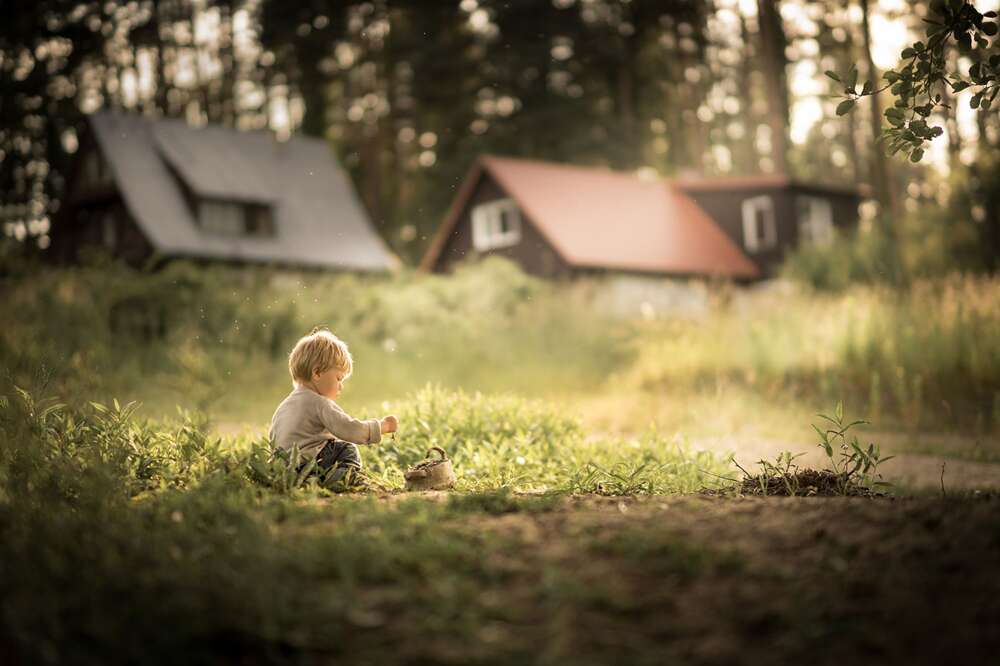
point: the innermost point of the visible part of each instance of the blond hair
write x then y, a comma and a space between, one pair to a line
319, 351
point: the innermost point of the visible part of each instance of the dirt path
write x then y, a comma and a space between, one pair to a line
697, 580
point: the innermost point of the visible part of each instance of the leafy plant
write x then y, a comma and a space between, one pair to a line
853, 468
918, 83
852, 464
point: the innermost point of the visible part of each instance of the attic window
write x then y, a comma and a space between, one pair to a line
496, 224
759, 230
815, 220
231, 218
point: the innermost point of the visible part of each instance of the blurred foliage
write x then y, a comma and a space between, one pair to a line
918, 352
186, 334
923, 356
962, 236
921, 82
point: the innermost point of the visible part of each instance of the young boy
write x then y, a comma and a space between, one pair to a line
309, 418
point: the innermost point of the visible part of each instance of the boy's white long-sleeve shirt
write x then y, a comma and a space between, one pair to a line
308, 419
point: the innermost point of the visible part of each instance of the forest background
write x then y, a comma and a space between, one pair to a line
409, 93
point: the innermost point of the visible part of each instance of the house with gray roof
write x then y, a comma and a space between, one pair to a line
146, 187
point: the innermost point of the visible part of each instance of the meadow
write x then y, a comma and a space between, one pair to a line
142, 515
921, 360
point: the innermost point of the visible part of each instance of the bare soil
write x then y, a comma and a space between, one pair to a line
709, 580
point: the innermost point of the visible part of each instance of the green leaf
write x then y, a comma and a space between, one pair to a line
845, 106
867, 88
989, 29
833, 75
959, 86
839, 412
916, 155
852, 77
974, 102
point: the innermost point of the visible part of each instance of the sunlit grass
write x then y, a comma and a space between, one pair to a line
758, 363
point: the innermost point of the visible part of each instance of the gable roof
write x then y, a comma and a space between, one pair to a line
603, 219
318, 219
761, 182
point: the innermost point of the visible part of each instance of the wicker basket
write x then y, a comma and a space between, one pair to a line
430, 473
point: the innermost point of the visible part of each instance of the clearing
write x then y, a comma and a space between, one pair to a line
687, 579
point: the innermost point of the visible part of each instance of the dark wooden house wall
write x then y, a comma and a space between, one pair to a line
80, 222
726, 208
535, 254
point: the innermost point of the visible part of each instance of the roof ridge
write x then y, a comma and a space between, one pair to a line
181, 123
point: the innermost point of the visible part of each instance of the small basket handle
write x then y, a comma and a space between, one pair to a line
444, 456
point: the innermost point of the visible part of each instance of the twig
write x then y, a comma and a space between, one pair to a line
718, 476
748, 474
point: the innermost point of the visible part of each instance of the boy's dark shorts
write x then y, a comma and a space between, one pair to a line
337, 460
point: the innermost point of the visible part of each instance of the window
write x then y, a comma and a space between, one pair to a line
259, 220
496, 224
815, 220
759, 230
229, 218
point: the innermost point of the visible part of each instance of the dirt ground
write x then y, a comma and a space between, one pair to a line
712, 580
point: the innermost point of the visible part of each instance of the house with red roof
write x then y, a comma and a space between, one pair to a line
560, 220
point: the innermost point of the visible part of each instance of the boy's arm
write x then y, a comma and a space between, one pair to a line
343, 426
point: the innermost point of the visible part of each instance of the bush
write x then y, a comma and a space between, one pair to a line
859, 256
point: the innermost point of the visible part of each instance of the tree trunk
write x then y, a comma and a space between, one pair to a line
880, 175
772, 39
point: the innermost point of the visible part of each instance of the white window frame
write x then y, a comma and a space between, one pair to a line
487, 225
815, 220
758, 239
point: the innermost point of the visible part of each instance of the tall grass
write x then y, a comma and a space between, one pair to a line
927, 356
215, 340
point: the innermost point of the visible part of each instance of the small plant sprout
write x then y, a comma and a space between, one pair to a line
853, 468
852, 464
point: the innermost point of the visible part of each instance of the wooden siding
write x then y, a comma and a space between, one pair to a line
534, 254
726, 208
92, 216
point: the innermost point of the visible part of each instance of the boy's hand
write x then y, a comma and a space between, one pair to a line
389, 424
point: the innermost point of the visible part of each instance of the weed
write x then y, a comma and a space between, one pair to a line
853, 468
852, 464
